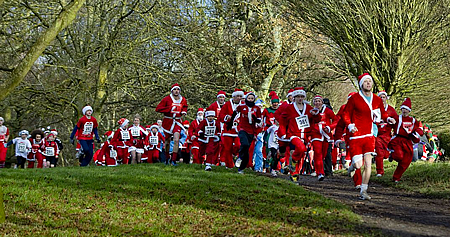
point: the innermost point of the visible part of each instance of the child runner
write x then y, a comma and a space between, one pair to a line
51, 151
23, 147
208, 133
153, 144
85, 130
36, 153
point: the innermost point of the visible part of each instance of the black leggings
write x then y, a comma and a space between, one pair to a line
246, 140
20, 162
275, 158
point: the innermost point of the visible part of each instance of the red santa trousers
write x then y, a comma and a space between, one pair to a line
299, 154
212, 152
320, 148
381, 145
402, 153
230, 146
152, 156
122, 154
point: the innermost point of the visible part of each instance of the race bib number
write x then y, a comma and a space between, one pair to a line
50, 151
125, 135
408, 126
376, 114
22, 147
302, 122
88, 127
113, 153
153, 140
210, 131
176, 108
135, 132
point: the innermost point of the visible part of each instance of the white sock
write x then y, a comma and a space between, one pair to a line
364, 187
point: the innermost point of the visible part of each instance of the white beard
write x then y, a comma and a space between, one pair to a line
199, 118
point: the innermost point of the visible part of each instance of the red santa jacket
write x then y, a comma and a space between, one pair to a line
122, 138
154, 141
225, 115
192, 130
172, 110
341, 129
327, 119
384, 129
138, 132
250, 118
208, 131
268, 117
50, 148
407, 127
215, 107
297, 121
361, 114
277, 115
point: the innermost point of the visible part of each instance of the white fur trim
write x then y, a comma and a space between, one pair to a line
236, 93
357, 158
383, 93
210, 113
175, 87
124, 123
86, 108
351, 127
405, 107
363, 79
299, 92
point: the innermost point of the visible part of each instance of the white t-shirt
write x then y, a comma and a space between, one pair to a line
23, 147
273, 141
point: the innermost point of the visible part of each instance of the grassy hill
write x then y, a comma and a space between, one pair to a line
165, 201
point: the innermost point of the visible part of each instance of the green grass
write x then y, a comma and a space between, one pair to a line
165, 201
429, 179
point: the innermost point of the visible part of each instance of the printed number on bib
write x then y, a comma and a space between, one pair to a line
22, 147
88, 127
125, 135
176, 108
50, 151
210, 131
113, 153
408, 126
302, 122
135, 132
153, 140
376, 114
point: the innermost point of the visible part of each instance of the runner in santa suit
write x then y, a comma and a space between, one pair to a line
229, 137
363, 111
174, 107
85, 130
284, 143
406, 132
139, 134
269, 113
153, 144
249, 124
321, 134
341, 134
296, 121
217, 107
196, 159
122, 140
51, 150
208, 133
384, 135
107, 151
4, 136
36, 153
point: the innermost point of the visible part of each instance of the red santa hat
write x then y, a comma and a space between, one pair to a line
54, 132
350, 94
50, 134
86, 108
382, 93
250, 93
406, 104
274, 97
299, 91
186, 123
109, 134
200, 110
289, 93
318, 97
237, 92
221, 93
175, 86
209, 113
123, 122
154, 125
363, 77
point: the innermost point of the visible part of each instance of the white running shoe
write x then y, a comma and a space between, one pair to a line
314, 174
238, 162
274, 173
240, 172
379, 175
208, 168
358, 187
364, 196
321, 177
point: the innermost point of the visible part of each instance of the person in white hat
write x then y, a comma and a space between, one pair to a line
208, 133
122, 140
23, 147
84, 131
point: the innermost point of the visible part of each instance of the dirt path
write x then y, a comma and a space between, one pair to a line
395, 212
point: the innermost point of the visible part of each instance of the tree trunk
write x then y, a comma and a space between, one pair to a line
62, 21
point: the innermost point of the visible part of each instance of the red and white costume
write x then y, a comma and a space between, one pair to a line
406, 132
208, 133
35, 154
121, 141
86, 128
138, 134
383, 138
153, 144
320, 138
172, 109
4, 132
107, 154
194, 139
230, 140
283, 142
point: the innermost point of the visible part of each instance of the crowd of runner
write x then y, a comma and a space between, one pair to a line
294, 136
